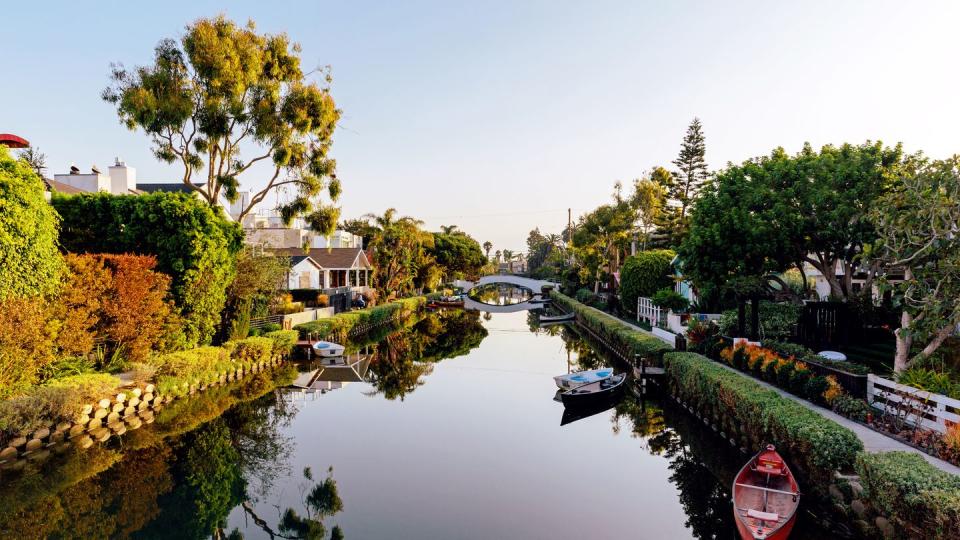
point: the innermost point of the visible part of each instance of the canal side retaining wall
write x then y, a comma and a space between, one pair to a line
126, 410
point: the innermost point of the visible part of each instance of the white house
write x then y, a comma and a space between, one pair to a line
327, 268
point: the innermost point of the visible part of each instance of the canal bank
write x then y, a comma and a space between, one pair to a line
832, 458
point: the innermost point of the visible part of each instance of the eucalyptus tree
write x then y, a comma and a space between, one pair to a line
600, 238
222, 91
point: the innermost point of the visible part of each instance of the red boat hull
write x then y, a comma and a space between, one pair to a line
765, 498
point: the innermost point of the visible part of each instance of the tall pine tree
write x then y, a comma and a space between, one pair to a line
689, 178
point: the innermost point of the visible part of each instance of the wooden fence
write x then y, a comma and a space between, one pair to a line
646, 310
918, 407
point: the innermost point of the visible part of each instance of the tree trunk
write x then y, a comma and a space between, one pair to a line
755, 318
741, 318
901, 359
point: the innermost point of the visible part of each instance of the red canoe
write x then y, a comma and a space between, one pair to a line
765, 497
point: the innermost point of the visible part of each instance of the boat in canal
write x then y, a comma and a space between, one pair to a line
765, 497
594, 393
453, 301
328, 349
551, 319
573, 380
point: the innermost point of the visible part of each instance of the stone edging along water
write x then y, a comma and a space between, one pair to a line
111, 416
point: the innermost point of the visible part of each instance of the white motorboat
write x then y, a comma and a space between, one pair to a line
573, 380
328, 349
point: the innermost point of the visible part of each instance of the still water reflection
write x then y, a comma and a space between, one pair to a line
448, 431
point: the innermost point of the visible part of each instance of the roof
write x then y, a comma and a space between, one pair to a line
297, 259
60, 187
179, 187
329, 258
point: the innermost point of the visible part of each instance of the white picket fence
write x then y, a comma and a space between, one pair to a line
646, 310
937, 409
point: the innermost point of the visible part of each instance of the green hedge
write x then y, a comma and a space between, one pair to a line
622, 335
906, 488
339, 326
814, 446
283, 341
177, 371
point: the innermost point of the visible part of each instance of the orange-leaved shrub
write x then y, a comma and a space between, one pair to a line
27, 334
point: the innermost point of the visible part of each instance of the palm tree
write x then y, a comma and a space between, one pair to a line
487, 246
508, 258
448, 229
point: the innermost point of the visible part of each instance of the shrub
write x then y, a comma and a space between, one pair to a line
814, 445
89, 386
905, 487
135, 308
37, 407
670, 299
79, 305
799, 378
931, 381
192, 242
269, 327
699, 333
618, 333
784, 374
644, 274
832, 391
851, 407
339, 326
26, 343
787, 349
254, 349
323, 300
815, 388
31, 263
777, 321
283, 341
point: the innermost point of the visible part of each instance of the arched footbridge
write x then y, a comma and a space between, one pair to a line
535, 285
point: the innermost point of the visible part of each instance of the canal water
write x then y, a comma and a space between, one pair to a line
445, 428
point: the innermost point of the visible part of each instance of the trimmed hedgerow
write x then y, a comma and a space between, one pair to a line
283, 341
814, 445
340, 325
647, 346
903, 486
177, 371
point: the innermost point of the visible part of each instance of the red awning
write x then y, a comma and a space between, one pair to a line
12, 141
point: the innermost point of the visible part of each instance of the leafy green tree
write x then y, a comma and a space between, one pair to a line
458, 254
648, 202
780, 211
918, 222
30, 263
644, 274
401, 257
600, 239
223, 88
691, 173
193, 243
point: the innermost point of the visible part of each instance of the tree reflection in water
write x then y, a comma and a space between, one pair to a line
403, 357
700, 466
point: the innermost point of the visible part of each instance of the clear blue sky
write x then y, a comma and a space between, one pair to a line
498, 116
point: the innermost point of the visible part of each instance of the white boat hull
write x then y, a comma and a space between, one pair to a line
573, 380
328, 349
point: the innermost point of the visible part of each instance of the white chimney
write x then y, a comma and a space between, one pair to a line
123, 179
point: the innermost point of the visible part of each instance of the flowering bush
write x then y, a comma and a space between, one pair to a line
784, 371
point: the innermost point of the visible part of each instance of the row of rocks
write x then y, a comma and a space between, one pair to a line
98, 422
